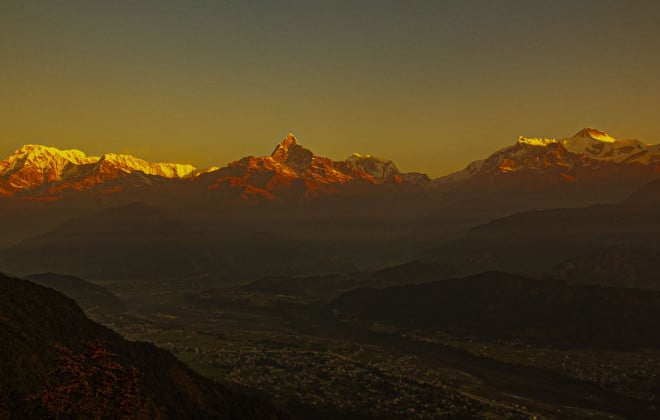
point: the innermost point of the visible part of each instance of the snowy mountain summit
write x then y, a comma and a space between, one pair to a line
599, 145
34, 166
589, 149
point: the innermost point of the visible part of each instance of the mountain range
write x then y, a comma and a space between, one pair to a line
589, 148
42, 170
37, 171
588, 168
544, 247
295, 213
292, 171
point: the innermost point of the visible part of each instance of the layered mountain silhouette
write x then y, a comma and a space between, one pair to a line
291, 211
306, 239
535, 242
618, 266
137, 243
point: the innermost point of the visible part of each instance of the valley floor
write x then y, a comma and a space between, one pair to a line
298, 354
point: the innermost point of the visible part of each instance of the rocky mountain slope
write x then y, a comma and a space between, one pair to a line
35, 170
565, 159
56, 354
588, 156
293, 172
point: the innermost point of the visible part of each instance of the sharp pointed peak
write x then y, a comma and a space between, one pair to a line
285, 145
289, 140
290, 152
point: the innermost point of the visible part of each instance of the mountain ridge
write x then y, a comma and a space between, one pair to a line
295, 172
36, 170
33, 167
588, 148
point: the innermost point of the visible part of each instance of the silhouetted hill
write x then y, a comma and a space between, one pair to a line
534, 242
617, 266
646, 197
496, 305
147, 243
124, 242
332, 285
93, 299
34, 319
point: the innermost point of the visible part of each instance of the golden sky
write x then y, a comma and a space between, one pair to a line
431, 85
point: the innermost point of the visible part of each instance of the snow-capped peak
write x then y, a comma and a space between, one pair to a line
292, 154
536, 141
378, 168
541, 153
128, 163
36, 151
34, 165
599, 145
583, 137
592, 133
285, 144
47, 160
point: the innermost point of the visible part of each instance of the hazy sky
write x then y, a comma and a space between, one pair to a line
429, 84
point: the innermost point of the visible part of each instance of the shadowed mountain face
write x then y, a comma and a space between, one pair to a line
497, 305
327, 287
617, 267
114, 243
35, 320
535, 242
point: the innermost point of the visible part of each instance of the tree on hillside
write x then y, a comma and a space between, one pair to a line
92, 384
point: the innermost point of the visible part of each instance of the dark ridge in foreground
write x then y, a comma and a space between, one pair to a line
35, 320
92, 298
